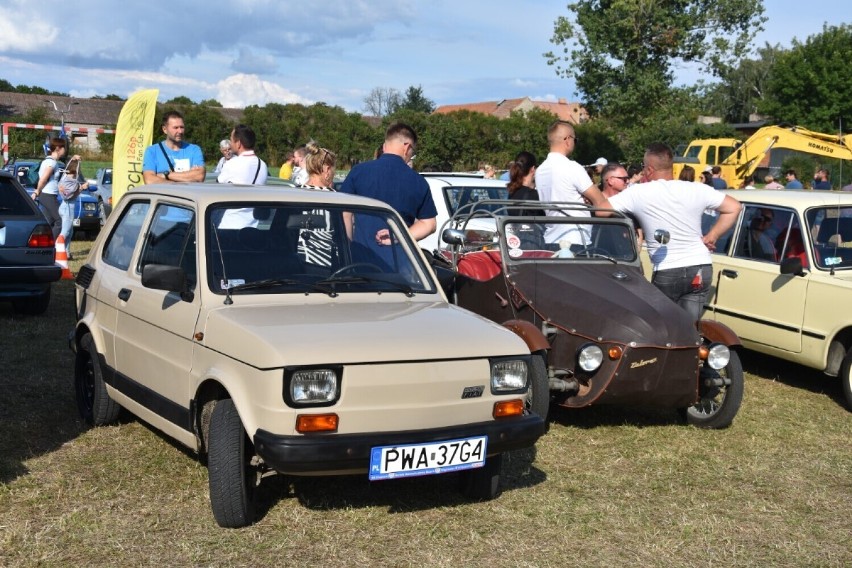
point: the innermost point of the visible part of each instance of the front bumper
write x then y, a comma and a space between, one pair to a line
335, 453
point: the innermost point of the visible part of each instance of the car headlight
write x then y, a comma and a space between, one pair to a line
312, 387
508, 376
590, 357
718, 356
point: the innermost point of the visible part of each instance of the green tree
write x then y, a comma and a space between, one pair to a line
180, 101
26, 142
211, 103
743, 87
415, 100
621, 52
811, 82
6, 86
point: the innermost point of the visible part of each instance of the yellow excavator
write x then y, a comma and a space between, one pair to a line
739, 160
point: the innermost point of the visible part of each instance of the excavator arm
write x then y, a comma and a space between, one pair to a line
751, 153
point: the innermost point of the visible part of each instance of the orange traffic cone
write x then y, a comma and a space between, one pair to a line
62, 258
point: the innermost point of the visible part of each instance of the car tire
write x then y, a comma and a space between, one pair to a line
232, 477
539, 386
846, 377
482, 483
718, 406
93, 402
34, 305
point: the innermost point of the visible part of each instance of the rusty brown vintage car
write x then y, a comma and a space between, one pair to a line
571, 286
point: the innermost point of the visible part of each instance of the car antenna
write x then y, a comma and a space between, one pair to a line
228, 299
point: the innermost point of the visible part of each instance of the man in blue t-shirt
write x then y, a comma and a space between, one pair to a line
173, 160
821, 179
390, 179
792, 180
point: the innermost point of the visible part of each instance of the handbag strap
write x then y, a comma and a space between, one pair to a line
163, 150
256, 172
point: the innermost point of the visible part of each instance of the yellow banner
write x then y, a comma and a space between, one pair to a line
133, 133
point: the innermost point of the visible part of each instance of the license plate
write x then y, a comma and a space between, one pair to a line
388, 462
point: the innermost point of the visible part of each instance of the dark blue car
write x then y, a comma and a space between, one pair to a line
27, 253
86, 215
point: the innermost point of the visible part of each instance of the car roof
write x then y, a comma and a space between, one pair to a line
797, 199
205, 194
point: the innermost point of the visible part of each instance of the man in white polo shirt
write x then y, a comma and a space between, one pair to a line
564, 180
244, 168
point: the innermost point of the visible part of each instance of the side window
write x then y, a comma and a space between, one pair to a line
171, 240
724, 153
760, 234
118, 250
711, 155
723, 244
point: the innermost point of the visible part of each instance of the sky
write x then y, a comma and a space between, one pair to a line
244, 52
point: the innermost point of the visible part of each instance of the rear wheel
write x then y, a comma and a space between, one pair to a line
232, 476
34, 305
483, 483
721, 393
93, 401
846, 377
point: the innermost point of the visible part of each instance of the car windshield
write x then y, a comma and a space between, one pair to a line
272, 248
460, 196
560, 238
831, 228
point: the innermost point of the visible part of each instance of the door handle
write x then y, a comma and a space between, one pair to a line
124, 294
730, 273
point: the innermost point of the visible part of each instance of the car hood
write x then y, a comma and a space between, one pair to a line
274, 336
607, 301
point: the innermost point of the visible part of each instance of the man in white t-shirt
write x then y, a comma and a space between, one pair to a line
682, 266
564, 180
244, 168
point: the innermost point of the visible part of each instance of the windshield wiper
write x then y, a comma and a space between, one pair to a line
259, 285
404, 288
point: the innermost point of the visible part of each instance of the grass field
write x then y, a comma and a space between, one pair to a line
605, 486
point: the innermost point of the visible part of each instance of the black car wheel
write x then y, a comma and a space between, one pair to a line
721, 393
483, 483
93, 401
846, 377
539, 397
232, 476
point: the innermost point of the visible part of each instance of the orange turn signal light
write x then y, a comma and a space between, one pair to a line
703, 352
615, 352
506, 408
316, 423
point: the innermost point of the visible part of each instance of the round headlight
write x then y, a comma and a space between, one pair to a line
719, 356
590, 357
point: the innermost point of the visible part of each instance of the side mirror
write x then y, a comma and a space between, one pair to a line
662, 236
168, 278
792, 265
453, 237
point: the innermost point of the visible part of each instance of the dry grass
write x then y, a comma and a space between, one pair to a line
605, 487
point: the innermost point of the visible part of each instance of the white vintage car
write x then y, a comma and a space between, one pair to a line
257, 326
783, 278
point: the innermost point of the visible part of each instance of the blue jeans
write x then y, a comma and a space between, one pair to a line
688, 286
66, 211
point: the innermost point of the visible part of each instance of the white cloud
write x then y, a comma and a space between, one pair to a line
242, 90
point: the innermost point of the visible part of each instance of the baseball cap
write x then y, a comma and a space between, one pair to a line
600, 162
708, 170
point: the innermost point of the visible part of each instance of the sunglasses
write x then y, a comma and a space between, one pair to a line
622, 178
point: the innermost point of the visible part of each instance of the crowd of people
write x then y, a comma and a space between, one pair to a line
681, 265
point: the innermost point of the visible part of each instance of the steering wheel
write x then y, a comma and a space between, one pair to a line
353, 266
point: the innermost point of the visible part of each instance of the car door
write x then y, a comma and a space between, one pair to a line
750, 295
155, 328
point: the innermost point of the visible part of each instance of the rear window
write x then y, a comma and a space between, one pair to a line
14, 203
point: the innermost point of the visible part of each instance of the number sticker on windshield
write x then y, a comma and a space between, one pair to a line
514, 241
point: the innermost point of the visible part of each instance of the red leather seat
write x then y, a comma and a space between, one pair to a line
481, 265
795, 245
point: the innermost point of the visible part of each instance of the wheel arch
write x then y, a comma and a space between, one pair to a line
208, 393
529, 333
717, 332
837, 349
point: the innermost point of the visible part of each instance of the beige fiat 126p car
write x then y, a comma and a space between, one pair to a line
783, 278
260, 327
